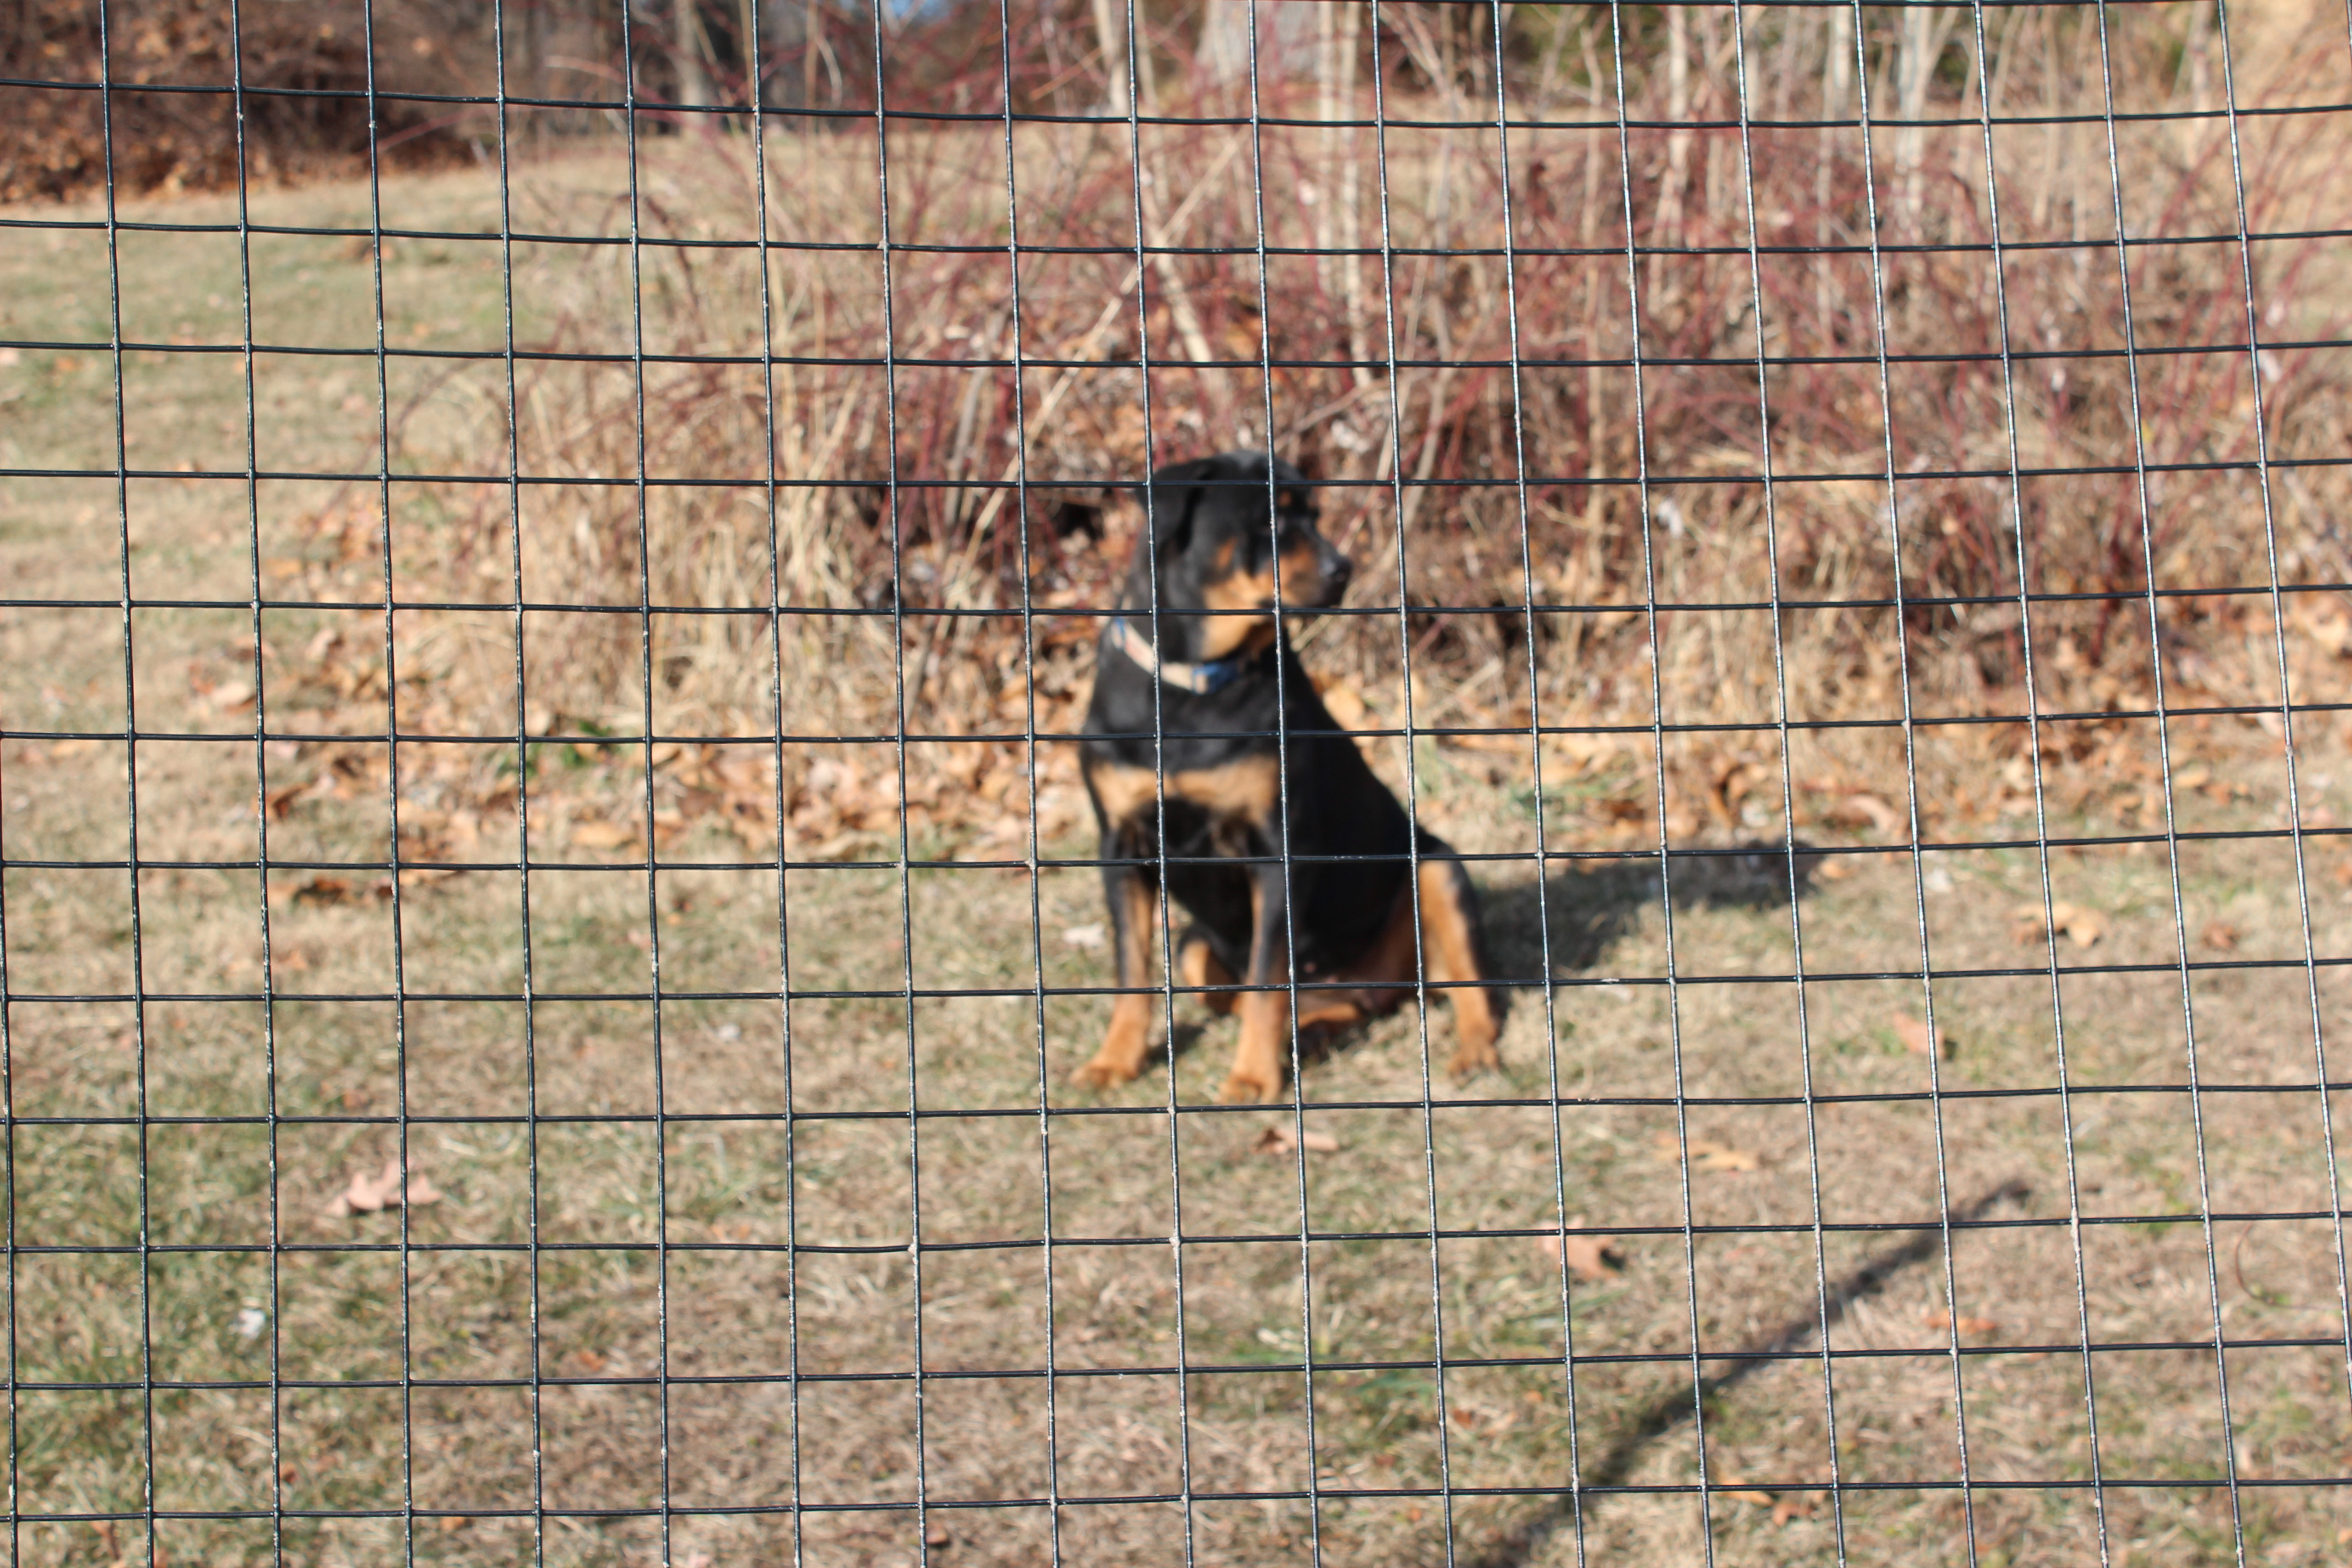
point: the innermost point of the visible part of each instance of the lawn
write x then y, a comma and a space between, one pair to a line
760, 1195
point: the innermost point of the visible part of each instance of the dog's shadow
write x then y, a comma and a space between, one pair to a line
1579, 915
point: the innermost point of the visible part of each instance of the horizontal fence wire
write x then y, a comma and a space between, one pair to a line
1510, 1424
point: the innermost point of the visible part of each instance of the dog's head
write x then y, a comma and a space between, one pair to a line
1217, 544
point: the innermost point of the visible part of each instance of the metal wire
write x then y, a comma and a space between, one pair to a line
1568, 1499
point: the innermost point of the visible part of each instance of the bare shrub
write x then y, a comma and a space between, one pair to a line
1440, 356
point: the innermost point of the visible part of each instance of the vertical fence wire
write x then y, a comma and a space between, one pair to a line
1643, 509
2288, 746
1772, 567
2164, 754
1522, 516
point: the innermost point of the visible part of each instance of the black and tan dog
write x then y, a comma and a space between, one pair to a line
1274, 828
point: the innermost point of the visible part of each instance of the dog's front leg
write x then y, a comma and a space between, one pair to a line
1264, 1048
1134, 911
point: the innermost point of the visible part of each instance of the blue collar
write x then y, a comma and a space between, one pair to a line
1201, 680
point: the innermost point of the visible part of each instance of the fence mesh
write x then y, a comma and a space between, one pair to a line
548, 908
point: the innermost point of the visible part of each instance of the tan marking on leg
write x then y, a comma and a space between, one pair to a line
1265, 1046
1329, 1009
1127, 1041
1450, 942
1198, 964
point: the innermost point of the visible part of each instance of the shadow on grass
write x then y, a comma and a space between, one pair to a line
1589, 910
1671, 1409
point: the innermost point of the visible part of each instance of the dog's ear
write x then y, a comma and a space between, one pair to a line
1171, 498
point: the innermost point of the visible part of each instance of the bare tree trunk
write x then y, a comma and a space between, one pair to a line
1596, 415
1216, 384
1837, 85
1224, 52
693, 50
1110, 37
1340, 218
1925, 30
1678, 148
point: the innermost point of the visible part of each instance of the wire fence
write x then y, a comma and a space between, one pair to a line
548, 905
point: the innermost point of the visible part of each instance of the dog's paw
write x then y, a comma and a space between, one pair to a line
1247, 1087
1476, 1056
1100, 1073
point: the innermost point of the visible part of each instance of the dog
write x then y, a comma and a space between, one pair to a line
1278, 840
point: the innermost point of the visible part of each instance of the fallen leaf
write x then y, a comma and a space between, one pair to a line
1280, 1139
2220, 935
1943, 1319
601, 834
452, 1523
1832, 869
2191, 778
371, 1195
1591, 1257
230, 696
2082, 926
1861, 807
1737, 1487
1706, 1153
1789, 1508
1915, 1033
1088, 936
333, 891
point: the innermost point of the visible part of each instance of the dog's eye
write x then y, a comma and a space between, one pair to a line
1290, 500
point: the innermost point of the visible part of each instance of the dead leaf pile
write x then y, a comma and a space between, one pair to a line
372, 1195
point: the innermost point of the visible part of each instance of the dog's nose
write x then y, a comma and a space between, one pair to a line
1337, 571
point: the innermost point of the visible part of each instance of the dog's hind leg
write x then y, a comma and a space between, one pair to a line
1453, 957
1134, 912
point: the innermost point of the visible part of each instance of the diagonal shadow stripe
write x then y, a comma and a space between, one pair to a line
1672, 1408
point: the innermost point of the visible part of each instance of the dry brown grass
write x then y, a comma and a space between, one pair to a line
664, 1244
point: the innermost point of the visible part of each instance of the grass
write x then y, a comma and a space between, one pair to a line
612, 1211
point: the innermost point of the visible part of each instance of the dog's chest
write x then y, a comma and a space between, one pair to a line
1222, 801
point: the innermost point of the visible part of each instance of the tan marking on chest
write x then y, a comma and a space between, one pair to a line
1249, 788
